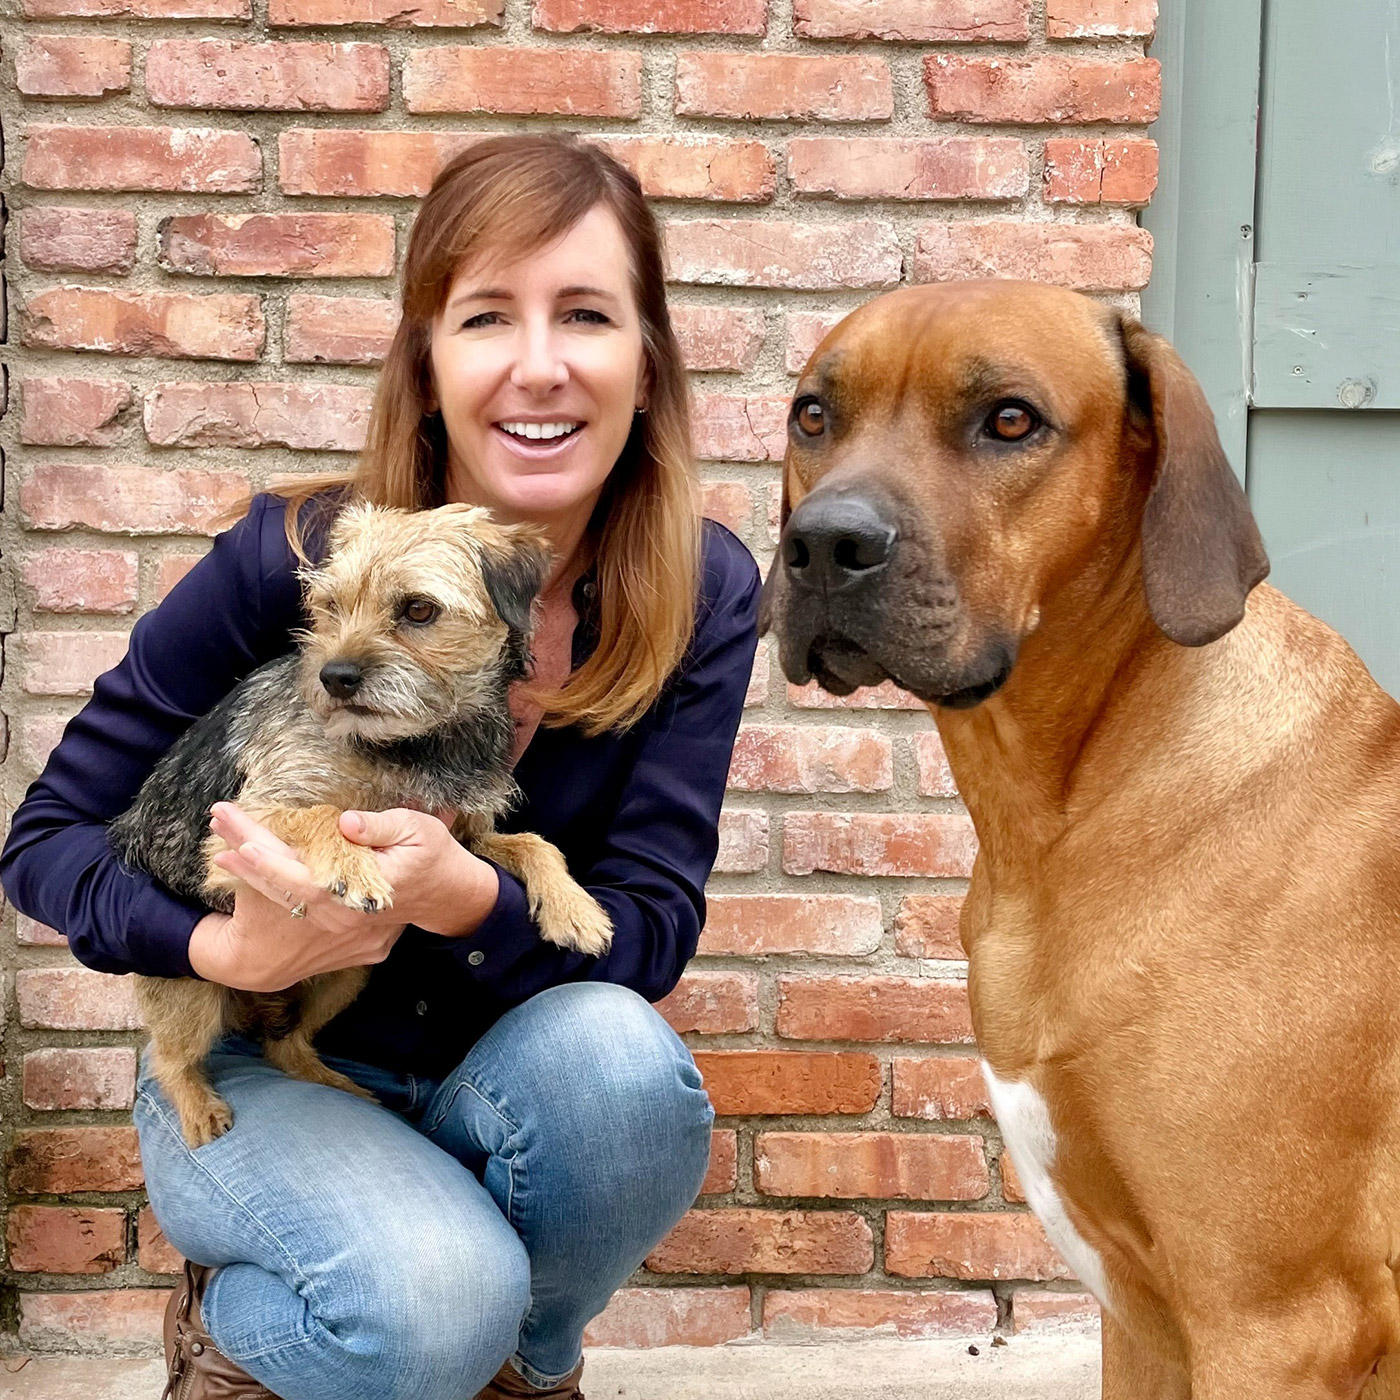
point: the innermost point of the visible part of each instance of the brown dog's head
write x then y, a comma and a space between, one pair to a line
959, 454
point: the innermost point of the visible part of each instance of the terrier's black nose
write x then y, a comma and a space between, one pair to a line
341, 678
836, 541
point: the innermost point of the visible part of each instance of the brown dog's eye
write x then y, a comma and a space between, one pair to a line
420, 610
1010, 422
810, 417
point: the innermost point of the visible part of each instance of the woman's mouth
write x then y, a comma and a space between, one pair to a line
535, 440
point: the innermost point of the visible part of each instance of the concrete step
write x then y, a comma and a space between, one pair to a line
1027, 1368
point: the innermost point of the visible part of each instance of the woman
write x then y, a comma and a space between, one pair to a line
541, 1127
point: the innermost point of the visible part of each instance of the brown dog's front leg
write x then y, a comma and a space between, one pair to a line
1132, 1371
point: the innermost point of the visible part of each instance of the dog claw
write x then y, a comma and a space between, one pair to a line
339, 888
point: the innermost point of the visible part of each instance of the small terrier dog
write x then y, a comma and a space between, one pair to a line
395, 697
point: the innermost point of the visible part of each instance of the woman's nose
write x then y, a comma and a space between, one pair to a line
539, 363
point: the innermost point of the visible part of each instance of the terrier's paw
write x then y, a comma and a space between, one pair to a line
576, 921
205, 1120
353, 876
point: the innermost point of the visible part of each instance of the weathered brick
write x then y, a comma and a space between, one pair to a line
852, 1166
65, 663
278, 245
338, 330
769, 253
1100, 19
741, 1082
171, 569
1011, 1186
810, 758
1081, 170
805, 331
935, 776
743, 842
283, 76
155, 1253
723, 1172
81, 580
734, 428
777, 86
920, 1010
970, 1245
741, 1241
73, 65
187, 159
950, 167
340, 161
885, 696
711, 1003
757, 691
671, 1317
312, 417
62, 412
1034, 1310
566, 82
101, 1322
30, 933
65, 1239
75, 998
718, 337
77, 240
921, 21
1045, 88
871, 843
757, 925
51, 1161
926, 926
103, 1077
941, 1088
137, 9
729, 502
652, 16
38, 737
696, 167
1090, 257
174, 325
128, 500
391, 14
855, 1314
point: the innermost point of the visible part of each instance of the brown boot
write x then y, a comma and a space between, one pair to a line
196, 1368
511, 1385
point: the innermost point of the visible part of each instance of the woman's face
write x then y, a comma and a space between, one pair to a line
538, 366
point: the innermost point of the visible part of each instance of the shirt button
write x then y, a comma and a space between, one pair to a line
476, 957
422, 1008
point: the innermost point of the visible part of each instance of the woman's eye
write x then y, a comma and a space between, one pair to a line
482, 318
810, 417
1010, 422
589, 316
420, 610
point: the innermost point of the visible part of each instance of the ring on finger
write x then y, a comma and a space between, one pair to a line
298, 911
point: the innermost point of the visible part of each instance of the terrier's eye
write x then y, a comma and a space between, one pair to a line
419, 611
809, 416
1011, 422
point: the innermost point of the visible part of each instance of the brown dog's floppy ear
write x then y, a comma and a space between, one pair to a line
1201, 550
514, 575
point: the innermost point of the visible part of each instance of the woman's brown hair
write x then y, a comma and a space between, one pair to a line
522, 193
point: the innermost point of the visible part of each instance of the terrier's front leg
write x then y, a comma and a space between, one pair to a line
566, 913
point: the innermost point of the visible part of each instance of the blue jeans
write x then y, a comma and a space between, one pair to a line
404, 1252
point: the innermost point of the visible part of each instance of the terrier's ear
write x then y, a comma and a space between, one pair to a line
514, 573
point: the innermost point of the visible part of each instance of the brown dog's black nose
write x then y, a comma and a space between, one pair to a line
341, 678
833, 541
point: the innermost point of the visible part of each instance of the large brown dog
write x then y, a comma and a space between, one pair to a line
1184, 922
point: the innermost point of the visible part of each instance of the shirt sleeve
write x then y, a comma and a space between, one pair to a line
664, 835
229, 614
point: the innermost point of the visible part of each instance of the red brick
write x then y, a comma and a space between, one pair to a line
757, 692
926, 926
171, 569
129, 500
311, 417
1034, 1310
853, 1166
188, 159
859, 1314
733, 428
1011, 1187
1046, 88
1081, 170
810, 758
336, 161
935, 776
743, 843
739, 1241
1090, 257
51, 1161
81, 580
652, 16
871, 843
970, 1245
798, 87
729, 502
38, 737
885, 696
391, 14
805, 331
154, 1252
566, 82
950, 167
757, 925
137, 9
919, 1010
710, 1003
767, 253
283, 76
72, 65
338, 330
279, 245
741, 1082
1100, 19
30, 933
671, 1317
99, 1078
75, 998
97, 1321
219, 326
718, 337
66, 1239
940, 1088
723, 1172
73, 412
922, 21
696, 167
77, 240
66, 663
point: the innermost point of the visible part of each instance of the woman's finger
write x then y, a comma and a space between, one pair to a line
285, 882
238, 828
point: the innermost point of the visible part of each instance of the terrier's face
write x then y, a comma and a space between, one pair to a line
418, 618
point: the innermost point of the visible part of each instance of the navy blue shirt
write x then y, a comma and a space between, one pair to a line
635, 812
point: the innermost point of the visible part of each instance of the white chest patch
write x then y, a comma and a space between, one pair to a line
1024, 1119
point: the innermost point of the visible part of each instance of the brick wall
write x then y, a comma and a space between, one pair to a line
208, 199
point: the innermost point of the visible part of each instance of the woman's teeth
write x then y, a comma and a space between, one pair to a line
539, 430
